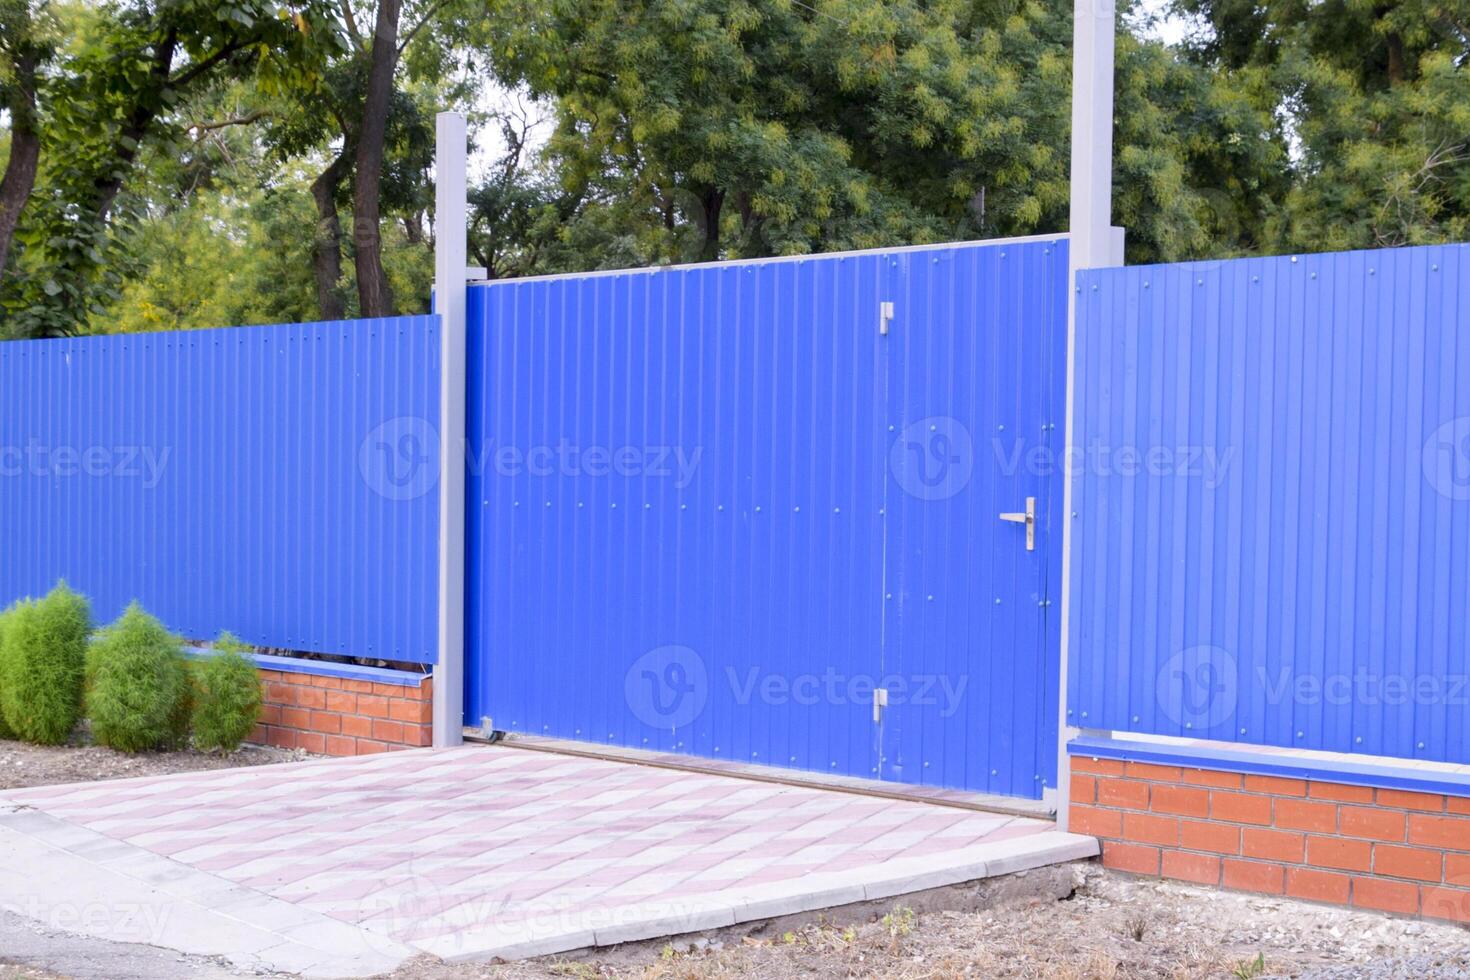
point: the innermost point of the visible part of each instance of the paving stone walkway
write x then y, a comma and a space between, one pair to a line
348, 866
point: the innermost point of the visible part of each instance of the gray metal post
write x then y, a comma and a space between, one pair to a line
451, 151
1094, 243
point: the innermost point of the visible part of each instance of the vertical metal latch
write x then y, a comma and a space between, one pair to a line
885, 317
880, 701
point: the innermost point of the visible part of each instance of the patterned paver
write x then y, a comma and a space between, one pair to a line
492, 850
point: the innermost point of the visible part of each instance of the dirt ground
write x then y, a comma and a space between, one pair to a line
1113, 927
37, 765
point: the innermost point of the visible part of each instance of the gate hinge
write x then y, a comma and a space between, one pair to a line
885, 317
880, 701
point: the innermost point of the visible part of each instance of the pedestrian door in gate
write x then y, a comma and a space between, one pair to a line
752, 511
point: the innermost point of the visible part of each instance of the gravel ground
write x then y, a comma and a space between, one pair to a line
1113, 927
38, 765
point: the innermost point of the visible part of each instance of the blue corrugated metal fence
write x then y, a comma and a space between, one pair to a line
272, 481
1272, 538
713, 509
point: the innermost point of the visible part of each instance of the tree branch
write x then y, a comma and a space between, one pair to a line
434, 8
351, 22
204, 66
245, 120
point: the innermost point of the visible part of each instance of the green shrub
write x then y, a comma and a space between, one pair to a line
138, 684
5, 730
226, 697
42, 665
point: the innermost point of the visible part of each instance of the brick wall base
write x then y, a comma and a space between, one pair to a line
342, 716
1381, 849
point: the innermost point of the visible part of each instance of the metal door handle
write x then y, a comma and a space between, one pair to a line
1028, 519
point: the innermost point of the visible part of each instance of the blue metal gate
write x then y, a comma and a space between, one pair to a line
731, 510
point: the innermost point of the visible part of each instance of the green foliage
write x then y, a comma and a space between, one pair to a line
5, 616
1376, 100
112, 98
137, 689
700, 129
42, 661
226, 697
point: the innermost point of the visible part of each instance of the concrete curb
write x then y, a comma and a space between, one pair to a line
901, 876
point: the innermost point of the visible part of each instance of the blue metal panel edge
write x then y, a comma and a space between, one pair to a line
321, 668
1264, 764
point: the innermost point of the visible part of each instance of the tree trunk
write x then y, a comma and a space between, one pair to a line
1395, 58
140, 120
326, 247
25, 151
712, 201
374, 294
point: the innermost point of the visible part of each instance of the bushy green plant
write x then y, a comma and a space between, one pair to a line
138, 684
5, 730
226, 697
42, 665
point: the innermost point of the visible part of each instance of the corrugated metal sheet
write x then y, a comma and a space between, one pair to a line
269, 481
1273, 531
711, 509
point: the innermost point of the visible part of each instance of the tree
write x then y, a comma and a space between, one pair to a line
374, 123
27, 45
720, 129
114, 96
1377, 101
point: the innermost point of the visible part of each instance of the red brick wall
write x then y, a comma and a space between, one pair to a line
338, 716
1381, 849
